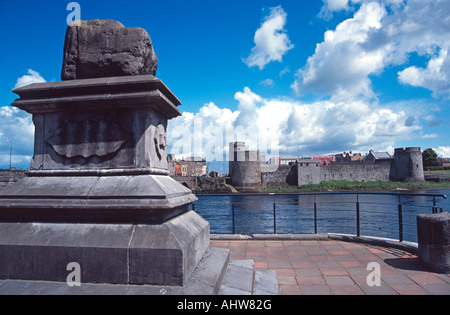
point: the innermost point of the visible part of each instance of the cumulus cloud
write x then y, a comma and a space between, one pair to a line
379, 35
435, 77
286, 126
443, 152
30, 78
341, 64
17, 126
267, 82
271, 40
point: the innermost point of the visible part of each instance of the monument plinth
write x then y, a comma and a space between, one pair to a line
98, 191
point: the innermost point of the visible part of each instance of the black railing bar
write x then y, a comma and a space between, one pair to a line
376, 221
417, 206
334, 210
376, 211
409, 224
336, 202
409, 234
333, 193
321, 227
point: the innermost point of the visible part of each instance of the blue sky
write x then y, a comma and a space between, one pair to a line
286, 76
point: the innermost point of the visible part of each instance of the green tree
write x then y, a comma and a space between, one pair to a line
430, 158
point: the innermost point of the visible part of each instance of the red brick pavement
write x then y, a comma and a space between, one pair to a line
339, 268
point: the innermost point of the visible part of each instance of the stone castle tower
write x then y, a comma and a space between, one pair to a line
407, 165
244, 167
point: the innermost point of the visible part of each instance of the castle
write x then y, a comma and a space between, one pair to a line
250, 172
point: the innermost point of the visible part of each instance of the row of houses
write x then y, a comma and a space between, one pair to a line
344, 157
445, 162
191, 166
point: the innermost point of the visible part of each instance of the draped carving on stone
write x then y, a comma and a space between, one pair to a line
88, 138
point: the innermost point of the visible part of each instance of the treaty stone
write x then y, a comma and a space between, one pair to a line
106, 48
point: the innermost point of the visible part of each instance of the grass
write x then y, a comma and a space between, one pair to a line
359, 186
438, 172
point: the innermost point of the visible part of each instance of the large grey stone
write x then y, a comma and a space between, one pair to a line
167, 254
36, 251
159, 254
205, 280
105, 48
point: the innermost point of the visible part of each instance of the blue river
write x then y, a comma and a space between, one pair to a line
330, 213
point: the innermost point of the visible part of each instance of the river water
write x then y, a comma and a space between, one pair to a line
335, 213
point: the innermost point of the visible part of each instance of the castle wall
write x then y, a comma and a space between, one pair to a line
283, 175
248, 174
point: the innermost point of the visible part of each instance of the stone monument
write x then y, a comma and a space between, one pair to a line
98, 191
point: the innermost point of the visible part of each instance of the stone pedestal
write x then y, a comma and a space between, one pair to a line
434, 241
98, 192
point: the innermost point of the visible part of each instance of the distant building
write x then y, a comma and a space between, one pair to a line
378, 156
348, 157
445, 162
286, 160
191, 166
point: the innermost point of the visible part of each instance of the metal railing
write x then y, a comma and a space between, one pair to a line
370, 213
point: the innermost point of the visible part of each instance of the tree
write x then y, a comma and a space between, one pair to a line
430, 158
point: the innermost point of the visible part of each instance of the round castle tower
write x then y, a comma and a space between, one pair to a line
407, 165
244, 167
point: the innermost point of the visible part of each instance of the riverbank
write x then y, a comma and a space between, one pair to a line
336, 186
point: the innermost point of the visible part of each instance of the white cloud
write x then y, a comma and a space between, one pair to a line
443, 152
378, 35
341, 65
290, 127
17, 126
271, 40
30, 78
267, 82
331, 6
435, 77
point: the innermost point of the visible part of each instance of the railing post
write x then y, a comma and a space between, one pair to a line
400, 222
274, 219
434, 205
232, 213
358, 223
315, 215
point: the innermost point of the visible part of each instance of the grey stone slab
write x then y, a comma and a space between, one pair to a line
265, 282
233, 291
95, 199
167, 254
212, 268
39, 251
239, 278
243, 263
49, 187
205, 281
